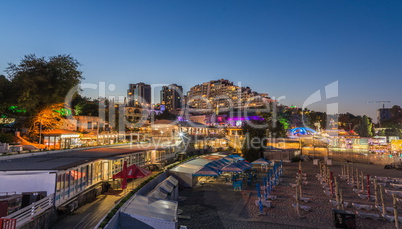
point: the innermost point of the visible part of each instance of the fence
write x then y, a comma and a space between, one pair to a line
28, 213
8, 223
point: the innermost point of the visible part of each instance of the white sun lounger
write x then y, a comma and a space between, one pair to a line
334, 203
362, 206
303, 207
388, 209
395, 185
265, 203
368, 215
304, 199
391, 218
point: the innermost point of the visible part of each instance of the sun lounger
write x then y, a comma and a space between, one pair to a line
368, 215
334, 203
304, 199
304, 182
265, 203
391, 218
388, 209
395, 185
357, 191
303, 207
327, 193
362, 206
343, 177
364, 196
293, 185
303, 174
390, 192
271, 197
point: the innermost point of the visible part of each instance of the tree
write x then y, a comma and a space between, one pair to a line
253, 147
39, 82
48, 118
365, 127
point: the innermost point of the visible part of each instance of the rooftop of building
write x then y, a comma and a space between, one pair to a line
65, 159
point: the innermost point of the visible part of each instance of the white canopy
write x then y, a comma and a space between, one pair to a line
144, 211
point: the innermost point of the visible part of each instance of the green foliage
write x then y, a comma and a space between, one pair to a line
365, 127
36, 83
255, 133
391, 132
6, 138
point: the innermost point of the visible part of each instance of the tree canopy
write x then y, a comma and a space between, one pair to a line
37, 82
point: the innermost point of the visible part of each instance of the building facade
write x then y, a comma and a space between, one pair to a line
218, 94
172, 97
139, 94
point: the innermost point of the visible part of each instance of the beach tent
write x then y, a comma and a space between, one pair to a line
206, 171
184, 172
147, 212
232, 168
244, 164
261, 161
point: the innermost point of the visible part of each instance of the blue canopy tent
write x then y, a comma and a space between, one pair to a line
261, 161
206, 171
236, 157
213, 166
224, 161
243, 164
232, 168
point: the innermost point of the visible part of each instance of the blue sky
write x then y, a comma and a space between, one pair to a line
284, 48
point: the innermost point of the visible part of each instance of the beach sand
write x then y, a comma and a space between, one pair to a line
216, 205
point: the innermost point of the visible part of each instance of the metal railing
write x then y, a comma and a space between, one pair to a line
28, 213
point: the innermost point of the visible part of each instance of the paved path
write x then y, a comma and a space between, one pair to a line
89, 215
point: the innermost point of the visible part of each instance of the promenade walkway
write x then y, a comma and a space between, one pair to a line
89, 215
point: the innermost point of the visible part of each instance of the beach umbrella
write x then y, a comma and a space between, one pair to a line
206, 171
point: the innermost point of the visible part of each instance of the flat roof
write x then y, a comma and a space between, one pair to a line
152, 208
65, 160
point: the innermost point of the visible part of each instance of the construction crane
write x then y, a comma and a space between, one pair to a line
383, 103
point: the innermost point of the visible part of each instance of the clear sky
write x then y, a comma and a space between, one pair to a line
284, 48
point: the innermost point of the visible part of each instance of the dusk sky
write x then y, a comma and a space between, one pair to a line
283, 48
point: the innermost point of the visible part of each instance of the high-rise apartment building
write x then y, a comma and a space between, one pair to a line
172, 96
139, 94
223, 94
